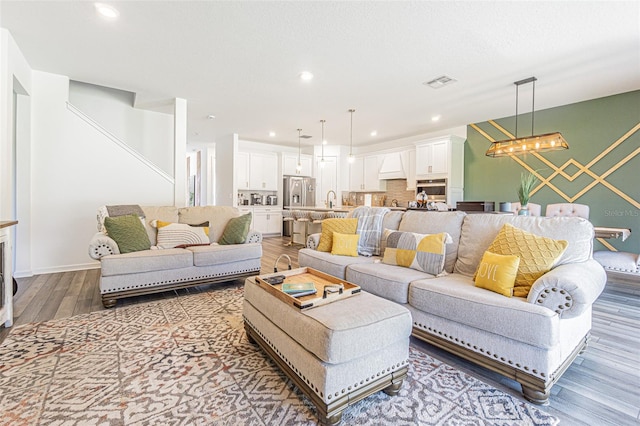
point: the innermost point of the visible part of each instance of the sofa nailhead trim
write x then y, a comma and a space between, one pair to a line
311, 385
181, 280
100, 247
481, 350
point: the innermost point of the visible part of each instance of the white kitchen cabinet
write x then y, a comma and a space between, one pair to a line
267, 221
245, 210
290, 162
356, 174
242, 170
432, 158
257, 171
363, 174
263, 173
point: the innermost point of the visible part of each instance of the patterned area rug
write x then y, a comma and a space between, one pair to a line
187, 361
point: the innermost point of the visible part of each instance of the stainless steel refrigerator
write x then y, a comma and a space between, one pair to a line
298, 191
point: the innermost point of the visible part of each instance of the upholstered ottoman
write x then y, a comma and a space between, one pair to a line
338, 353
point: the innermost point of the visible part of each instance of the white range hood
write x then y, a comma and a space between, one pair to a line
393, 166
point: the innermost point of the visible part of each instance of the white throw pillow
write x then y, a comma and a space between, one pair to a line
171, 234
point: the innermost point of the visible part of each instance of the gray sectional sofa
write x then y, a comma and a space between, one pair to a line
532, 340
156, 270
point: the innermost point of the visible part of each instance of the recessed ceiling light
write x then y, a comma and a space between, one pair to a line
272, 134
107, 11
211, 117
374, 133
436, 118
306, 76
324, 142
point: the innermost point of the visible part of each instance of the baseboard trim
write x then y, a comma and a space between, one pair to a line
66, 268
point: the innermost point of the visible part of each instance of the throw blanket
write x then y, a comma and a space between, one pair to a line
123, 210
369, 228
119, 210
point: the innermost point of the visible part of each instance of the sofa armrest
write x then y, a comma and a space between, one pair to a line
101, 245
569, 289
253, 237
312, 241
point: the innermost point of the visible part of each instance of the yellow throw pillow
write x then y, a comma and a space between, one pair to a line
339, 225
345, 244
537, 254
497, 272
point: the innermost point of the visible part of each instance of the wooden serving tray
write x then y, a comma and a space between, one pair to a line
305, 275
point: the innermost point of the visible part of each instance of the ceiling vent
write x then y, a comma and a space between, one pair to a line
305, 136
437, 83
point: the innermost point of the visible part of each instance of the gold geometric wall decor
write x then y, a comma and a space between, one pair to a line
582, 169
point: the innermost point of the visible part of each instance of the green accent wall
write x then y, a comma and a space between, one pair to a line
589, 127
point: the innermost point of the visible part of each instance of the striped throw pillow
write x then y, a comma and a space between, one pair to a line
171, 234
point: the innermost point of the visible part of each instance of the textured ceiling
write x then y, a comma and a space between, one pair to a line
240, 60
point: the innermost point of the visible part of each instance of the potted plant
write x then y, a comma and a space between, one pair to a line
527, 182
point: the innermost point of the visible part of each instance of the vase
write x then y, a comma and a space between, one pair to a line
524, 210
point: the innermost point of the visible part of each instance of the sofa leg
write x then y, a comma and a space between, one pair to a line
535, 395
109, 303
334, 420
248, 331
394, 388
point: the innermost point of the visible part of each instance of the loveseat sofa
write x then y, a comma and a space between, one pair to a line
619, 265
530, 339
156, 269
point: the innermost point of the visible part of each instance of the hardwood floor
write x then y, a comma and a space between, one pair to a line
600, 388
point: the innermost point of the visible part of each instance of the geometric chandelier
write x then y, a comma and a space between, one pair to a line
534, 143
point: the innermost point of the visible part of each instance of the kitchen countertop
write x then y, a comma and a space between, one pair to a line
322, 209
337, 208
7, 223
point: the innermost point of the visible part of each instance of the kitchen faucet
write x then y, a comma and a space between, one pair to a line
328, 203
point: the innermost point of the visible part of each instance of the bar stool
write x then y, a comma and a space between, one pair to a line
303, 217
318, 217
287, 217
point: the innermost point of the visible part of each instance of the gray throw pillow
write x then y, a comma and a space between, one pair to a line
236, 230
128, 232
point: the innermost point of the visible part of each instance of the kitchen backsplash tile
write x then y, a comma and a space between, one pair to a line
397, 190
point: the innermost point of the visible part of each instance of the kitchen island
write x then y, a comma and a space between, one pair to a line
339, 209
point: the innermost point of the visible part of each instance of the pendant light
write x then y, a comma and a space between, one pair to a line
322, 142
299, 166
534, 143
351, 157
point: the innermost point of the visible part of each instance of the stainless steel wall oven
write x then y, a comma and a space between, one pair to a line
433, 189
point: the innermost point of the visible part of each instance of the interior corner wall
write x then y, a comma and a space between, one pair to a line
600, 168
225, 185
76, 169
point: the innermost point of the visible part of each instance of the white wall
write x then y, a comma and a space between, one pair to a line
15, 115
148, 132
76, 169
226, 186
15, 76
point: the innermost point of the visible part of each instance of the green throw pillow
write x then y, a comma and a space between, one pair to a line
236, 230
128, 232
